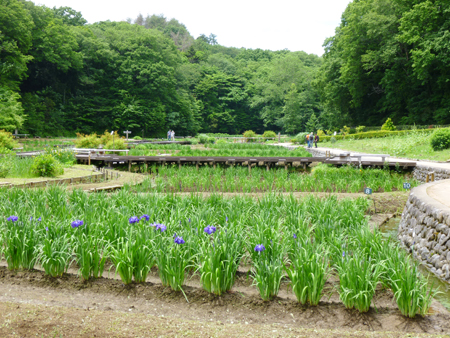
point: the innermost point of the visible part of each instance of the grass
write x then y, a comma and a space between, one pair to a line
228, 149
133, 243
323, 178
76, 171
415, 145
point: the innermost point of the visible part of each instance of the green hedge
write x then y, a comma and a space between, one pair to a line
372, 134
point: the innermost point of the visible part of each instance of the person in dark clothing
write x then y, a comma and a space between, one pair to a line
311, 140
316, 139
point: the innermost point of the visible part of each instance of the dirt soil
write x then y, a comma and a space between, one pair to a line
33, 304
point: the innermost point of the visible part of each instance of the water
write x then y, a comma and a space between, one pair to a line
389, 229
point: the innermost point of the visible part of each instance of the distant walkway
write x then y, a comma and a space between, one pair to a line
335, 152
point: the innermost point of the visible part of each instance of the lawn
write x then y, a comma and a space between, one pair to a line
415, 145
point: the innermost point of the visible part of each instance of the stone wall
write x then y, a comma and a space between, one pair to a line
424, 230
420, 173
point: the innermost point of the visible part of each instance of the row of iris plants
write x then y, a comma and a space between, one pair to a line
323, 178
230, 149
282, 238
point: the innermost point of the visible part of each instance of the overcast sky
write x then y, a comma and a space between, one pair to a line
292, 24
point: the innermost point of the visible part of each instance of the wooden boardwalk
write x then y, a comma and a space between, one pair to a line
268, 162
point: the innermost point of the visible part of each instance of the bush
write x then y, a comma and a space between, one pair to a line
6, 140
301, 137
345, 130
193, 141
137, 138
388, 125
320, 133
119, 143
221, 141
249, 133
269, 133
352, 131
360, 129
440, 139
211, 140
87, 141
46, 165
203, 139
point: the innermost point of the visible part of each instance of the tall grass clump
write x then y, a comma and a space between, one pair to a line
308, 271
219, 260
267, 253
133, 255
358, 279
19, 243
91, 256
172, 259
410, 288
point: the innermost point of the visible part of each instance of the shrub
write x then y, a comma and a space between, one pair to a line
118, 143
388, 125
87, 141
320, 133
138, 138
107, 137
352, 131
249, 133
345, 130
360, 129
203, 139
46, 165
6, 140
194, 141
301, 137
269, 133
211, 140
440, 139
221, 141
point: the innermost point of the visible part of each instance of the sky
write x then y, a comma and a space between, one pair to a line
297, 25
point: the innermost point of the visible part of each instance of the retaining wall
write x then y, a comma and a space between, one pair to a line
424, 230
420, 173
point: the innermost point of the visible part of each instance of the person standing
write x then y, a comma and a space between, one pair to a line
173, 135
316, 139
311, 139
307, 139
169, 134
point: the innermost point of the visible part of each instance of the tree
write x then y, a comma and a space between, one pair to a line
15, 41
69, 16
11, 116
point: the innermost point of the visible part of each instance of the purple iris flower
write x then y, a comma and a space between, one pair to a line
343, 254
210, 229
146, 217
133, 219
189, 220
161, 227
46, 228
295, 236
179, 240
31, 218
226, 218
77, 223
260, 248
39, 219
12, 218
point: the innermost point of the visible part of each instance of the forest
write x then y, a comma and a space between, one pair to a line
60, 75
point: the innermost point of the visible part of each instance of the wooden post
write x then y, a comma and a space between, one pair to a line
179, 164
129, 165
279, 137
196, 165
267, 166
249, 167
285, 166
89, 158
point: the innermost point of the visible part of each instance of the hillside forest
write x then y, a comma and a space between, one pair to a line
60, 75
